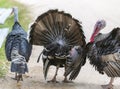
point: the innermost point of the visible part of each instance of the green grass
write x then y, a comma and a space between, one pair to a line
24, 20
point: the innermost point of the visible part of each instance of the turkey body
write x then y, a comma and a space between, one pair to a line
18, 49
104, 53
58, 32
17, 38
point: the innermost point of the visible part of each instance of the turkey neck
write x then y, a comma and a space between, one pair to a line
96, 31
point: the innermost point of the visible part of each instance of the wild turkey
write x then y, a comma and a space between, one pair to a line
63, 40
104, 51
17, 48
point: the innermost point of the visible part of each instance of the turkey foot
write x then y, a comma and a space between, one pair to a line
107, 86
18, 84
54, 78
26, 76
53, 81
67, 81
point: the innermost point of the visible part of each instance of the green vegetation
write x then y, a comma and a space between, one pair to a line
24, 20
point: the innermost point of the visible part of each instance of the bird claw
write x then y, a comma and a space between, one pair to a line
67, 81
26, 76
14, 78
52, 81
107, 86
18, 84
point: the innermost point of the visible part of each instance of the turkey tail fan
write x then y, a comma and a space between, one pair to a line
55, 25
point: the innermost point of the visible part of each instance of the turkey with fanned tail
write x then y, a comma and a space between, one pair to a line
103, 51
63, 40
17, 48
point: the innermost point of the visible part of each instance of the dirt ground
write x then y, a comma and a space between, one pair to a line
88, 78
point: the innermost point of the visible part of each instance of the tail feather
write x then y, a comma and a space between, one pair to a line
68, 71
55, 25
113, 69
20, 68
75, 73
18, 63
46, 68
74, 62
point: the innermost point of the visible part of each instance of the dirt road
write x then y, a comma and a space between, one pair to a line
85, 11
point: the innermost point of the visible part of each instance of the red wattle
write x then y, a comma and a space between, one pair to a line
92, 38
94, 34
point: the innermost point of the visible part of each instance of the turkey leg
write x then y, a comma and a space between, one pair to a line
110, 85
65, 79
54, 78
